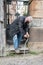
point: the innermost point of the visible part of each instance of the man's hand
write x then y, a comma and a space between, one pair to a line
26, 35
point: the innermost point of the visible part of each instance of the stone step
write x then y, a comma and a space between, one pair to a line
12, 48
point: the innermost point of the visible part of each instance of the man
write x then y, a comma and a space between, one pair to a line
19, 29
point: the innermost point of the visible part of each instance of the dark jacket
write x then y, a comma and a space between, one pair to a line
18, 26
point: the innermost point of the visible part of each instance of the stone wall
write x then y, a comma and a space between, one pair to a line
1, 11
36, 39
2, 30
37, 22
2, 39
36, 35
36, 8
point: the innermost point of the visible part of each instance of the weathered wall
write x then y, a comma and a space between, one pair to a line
36, 39
36, 8
36, 31
2, 29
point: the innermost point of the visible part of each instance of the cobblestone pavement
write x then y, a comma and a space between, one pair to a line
22, 60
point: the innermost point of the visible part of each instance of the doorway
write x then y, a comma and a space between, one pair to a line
11, 8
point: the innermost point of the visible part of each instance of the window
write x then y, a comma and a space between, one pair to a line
25, 2
22, 7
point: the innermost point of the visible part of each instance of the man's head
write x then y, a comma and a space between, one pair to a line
28, 19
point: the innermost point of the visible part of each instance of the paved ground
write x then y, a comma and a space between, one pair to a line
22, 60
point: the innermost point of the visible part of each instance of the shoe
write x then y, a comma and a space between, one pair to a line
17, 51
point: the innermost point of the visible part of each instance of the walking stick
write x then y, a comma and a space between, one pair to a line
25, 45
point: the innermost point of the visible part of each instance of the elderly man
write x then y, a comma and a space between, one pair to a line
19, 29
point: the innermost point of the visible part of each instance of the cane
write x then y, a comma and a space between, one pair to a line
25, 45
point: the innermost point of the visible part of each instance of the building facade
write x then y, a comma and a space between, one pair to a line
36, 11
7, 15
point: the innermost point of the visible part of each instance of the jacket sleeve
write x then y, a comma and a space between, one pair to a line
21, 28
27, 27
